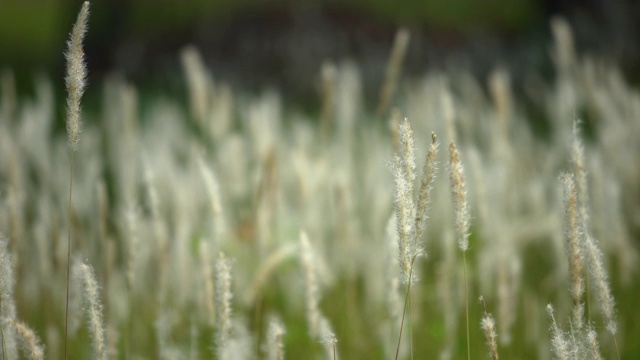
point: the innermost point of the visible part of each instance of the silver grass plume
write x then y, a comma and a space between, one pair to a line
461, 211
577, 157
407, 151
31, 344
459, 195
223, 304
600, 281
404, 173
574, 247
592, 342
404, 223
328, 339
488, 326
426, 184
308, 262
560, 346
592, 250
275, 333
75, 78
93, 308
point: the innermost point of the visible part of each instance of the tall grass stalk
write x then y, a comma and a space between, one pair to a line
411, 218
596, 269
461, 210
75, 83
580, 170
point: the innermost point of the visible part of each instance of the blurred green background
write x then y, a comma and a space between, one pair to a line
254, 44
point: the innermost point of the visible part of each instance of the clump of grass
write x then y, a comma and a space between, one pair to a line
410, 218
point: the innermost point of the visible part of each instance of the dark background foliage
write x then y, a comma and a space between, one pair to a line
253, 44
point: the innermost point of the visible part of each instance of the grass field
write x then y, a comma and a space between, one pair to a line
238, 228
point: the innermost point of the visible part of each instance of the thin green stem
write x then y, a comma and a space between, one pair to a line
406, 299
588, 298
66, 313
404, 310
127, 338
256, 322
615, 342
410, 329
466, 300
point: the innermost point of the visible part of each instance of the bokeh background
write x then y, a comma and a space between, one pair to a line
253, 44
